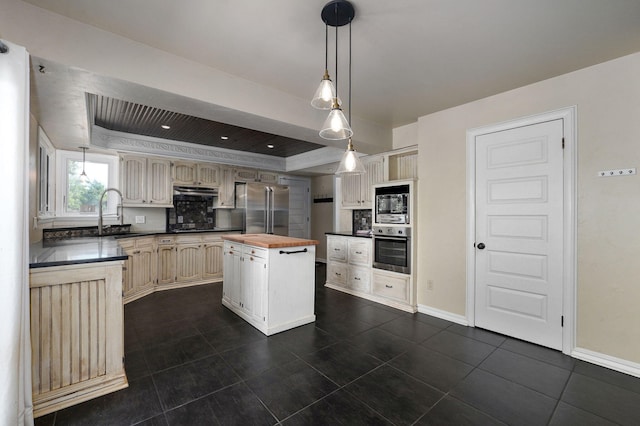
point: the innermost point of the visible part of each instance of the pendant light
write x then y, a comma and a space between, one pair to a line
323, 98
350, 163
336, 127
83, 176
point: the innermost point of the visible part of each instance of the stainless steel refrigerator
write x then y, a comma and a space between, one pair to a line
264, 207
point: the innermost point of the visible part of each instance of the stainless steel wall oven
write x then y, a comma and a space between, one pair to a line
392, 248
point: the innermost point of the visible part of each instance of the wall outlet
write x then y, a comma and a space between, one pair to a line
430, 285
140, 219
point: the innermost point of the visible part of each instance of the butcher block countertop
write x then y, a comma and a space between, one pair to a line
269, 241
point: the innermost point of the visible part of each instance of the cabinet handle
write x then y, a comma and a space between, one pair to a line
136, 252
356, 278
388, 286
336, 249
338, 274
358, 252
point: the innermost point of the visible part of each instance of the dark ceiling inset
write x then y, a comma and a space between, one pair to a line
129, 117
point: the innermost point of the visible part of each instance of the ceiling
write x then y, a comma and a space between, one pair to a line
410, 57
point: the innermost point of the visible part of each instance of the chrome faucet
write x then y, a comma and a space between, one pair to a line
119, 209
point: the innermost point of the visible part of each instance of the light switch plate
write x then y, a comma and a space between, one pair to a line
617, 172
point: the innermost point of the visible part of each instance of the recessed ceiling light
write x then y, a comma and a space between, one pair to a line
270, 146
224, 138
164, 126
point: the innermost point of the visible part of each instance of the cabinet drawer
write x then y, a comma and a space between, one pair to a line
337, 273
360, 278
337, 248
392, 287
360, 252
254, 251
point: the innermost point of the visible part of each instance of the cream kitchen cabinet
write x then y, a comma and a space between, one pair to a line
189, 258
212, 264
145, 181
253, 175
349, 266
270, 288
140, 270
167, 258
349, 269
357, 189
77, 334
227, 189
196, 174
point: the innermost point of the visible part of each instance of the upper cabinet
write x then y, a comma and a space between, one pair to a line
357, 189
403, 165
253, 175
145, 181
188, 173
226, 191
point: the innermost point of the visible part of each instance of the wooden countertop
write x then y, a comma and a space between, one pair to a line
269, 241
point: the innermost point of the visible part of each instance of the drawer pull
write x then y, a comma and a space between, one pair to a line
358, 252
293, 252
338, 274
356, 278
388, 286
336, 249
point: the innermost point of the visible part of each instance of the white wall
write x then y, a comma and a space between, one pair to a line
608, 112
405, 136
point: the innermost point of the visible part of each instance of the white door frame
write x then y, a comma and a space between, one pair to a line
568, 115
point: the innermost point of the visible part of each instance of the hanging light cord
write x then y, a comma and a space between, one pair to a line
350, 124
336, 9
326, 47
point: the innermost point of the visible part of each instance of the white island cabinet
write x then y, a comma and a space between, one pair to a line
269, 280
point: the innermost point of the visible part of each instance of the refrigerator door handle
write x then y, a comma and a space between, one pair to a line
273, 209
267, 209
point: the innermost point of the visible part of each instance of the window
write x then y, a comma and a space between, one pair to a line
78, 195
46, 159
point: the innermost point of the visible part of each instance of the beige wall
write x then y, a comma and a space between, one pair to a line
405, 136
607, 97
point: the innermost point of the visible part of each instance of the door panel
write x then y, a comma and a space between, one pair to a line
519, 205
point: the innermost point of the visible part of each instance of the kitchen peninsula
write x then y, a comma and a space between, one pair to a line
269, 280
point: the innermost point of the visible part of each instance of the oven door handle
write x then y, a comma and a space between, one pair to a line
388, 237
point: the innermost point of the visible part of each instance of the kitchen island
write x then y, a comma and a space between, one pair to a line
269, 280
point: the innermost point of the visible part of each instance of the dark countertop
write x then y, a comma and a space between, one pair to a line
90, 249
156, 233
348, 234
74, 251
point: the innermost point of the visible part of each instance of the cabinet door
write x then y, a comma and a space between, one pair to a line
143, 264
375, 174
267, 177
128, 245
189, 262
159, 182
226, 194
133, 174
246, 175
184, 173
212, 256
337, 273
166, 263
255, 300
360, 278
208, 175
351, 191
232, 271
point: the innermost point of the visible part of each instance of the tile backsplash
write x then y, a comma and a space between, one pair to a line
361, 220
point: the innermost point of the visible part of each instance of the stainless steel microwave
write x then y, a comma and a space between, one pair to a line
392, 204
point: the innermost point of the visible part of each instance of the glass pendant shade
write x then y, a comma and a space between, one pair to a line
326, 93
336, 126
350, 163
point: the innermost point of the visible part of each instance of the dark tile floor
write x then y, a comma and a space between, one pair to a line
191, 361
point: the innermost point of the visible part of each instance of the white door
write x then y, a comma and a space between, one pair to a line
298, 206
519, 232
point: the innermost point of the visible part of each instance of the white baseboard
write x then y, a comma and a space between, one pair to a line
608, 361
428, 310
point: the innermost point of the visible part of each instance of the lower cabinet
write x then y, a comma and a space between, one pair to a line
140, 270
170, 261
271, 289
349, 270
77, 334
